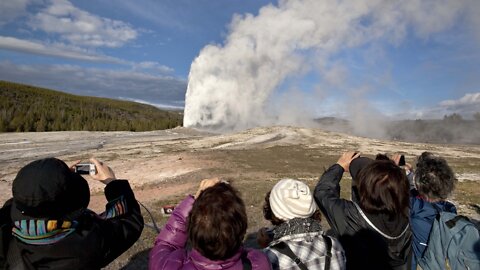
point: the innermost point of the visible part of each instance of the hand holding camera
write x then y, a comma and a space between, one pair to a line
400, 161
96, 169
104, 173
85, 168
346, 159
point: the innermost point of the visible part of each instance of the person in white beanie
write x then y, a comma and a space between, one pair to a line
298, 239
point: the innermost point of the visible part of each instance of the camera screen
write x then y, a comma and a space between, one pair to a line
82, 168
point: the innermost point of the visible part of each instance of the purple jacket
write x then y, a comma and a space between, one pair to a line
169, 251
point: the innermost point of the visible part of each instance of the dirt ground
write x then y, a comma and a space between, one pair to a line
164, 166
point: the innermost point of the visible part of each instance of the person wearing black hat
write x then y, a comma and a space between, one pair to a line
373, 227
47, 224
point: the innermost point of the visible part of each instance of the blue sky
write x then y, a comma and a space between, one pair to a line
143, 50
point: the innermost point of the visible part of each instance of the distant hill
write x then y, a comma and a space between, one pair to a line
26, 108
451, 129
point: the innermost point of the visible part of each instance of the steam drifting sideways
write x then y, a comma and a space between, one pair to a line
237, 85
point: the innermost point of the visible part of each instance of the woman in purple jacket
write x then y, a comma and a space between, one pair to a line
215, 223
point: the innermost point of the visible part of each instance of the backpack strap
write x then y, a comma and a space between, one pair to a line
328, 258
452, 222
247, 264
285, 250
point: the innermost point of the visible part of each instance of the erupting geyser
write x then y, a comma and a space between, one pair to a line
234, 85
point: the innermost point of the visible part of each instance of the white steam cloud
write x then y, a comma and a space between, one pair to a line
231, 86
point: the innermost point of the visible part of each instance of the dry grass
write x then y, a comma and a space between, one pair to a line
164, 166
253, 173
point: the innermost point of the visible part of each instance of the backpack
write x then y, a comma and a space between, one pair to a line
454, 239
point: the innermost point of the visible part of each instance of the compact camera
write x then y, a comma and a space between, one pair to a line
167, 210
85, 168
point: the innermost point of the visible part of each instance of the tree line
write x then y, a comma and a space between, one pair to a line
25, 108
453, 128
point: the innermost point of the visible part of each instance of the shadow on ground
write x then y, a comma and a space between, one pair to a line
138, 261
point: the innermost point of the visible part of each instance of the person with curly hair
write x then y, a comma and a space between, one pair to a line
434, 181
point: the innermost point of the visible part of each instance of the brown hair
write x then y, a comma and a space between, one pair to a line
218, 222
384, 188
270, 216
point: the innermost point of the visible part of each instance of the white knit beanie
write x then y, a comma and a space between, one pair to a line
291, 198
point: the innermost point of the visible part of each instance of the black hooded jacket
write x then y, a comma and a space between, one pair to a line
96, 241
364, 247
77, 239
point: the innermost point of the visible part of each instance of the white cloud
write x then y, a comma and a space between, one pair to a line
53, 49
155, 66
154, 89
466, 100
80, 27
71, 52
11, 9
161, 13
466, 106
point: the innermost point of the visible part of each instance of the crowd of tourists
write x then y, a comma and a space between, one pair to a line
397, 217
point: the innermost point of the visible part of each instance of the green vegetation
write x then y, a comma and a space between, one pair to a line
26, 108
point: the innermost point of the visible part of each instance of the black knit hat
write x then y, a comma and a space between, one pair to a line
47, 188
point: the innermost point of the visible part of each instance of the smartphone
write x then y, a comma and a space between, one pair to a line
402, 161
85, 168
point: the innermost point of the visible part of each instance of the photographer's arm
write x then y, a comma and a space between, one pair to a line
123, 222
408, 170
327, 193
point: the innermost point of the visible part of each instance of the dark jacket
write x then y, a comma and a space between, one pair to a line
365, 248
87, 241
170, 252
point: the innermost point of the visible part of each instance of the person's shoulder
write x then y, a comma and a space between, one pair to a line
445, 206
258, 259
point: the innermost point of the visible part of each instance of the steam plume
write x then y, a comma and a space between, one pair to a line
232, 85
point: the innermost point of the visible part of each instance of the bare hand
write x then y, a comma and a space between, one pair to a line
104, 173
206, 183
396, 158
346, 159
72, 166
408, 167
